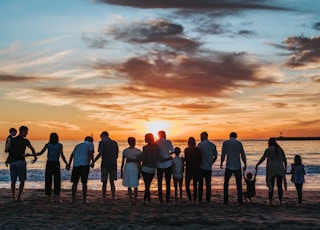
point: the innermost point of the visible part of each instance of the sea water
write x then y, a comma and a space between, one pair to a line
308, 150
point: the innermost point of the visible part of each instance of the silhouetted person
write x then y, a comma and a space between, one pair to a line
275, 169
164, 166
177, 173
108, 150
251, 186
192, 155
150, 159
209, 155
55, 150
297, 177
16, 159
12, 134
233, 150
81, 155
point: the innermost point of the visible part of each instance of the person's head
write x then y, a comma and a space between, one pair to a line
88, 138
191, 142
233, 135
149, 138
13, 132
23, 131
203, 136
132, 141
249, 176
297, 160
54, 138
104, 134
177, 151
272, 141
162, 134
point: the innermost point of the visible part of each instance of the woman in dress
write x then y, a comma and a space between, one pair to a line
130, 169
192, 156
55, 150
150, 158
275, 169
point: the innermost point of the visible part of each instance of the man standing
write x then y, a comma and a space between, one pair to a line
209, 155
82, 155
16, 159
108, 150
164, 166
233, 148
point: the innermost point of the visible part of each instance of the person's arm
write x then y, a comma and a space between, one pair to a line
255, 175
122, 164
33, 153
8, 143
42, 150
243, 157
63, 157
223, 154
215, 154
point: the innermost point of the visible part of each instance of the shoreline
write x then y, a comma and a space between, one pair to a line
36, 212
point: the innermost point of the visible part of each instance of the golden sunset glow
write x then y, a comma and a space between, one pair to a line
131, 67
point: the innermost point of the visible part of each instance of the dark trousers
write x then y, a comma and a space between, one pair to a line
167, 174
279, 185
147, 178
52, 170
227, 175
299, 191
206, 175
195, 181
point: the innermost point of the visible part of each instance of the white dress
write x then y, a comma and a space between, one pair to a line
131, 172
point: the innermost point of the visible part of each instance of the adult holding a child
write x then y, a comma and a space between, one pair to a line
275, 168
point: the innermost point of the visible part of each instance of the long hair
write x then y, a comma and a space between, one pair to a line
297, 160
191, 142
272, 142
54, 138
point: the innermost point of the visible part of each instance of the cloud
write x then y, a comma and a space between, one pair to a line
94, 41
191, 76
158, 31
191, 4
12, 78
303, 50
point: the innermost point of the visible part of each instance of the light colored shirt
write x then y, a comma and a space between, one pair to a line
208, 153
82, 152
165, 147
177, 167
233, 149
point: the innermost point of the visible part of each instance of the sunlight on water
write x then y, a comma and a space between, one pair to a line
309, 151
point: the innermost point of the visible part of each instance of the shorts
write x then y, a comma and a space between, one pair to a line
112, 172
80, 171
18, 169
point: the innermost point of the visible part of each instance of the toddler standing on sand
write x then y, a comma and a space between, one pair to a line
298, 172
177, 173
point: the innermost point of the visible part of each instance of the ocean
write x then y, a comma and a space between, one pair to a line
309, 151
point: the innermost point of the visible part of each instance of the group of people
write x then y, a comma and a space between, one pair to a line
154, 158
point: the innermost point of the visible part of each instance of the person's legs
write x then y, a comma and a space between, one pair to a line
271, 190
147, 177
188, 179
175, 183
238, 176
13, 190
208, 185
22, 173
280, 190
74, 191
195, 181
227, 176
135, 195
84, 192
48, 179
201, 176
75, 175
299, 192
159, 177
130, 195
57, 179
104, 177
13, 175
180, 188
167, 173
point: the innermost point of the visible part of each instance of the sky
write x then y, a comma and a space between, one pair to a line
80, 67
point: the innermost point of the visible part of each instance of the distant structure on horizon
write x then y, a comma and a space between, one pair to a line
283, 138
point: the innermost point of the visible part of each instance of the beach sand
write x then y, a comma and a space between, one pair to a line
36, 213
